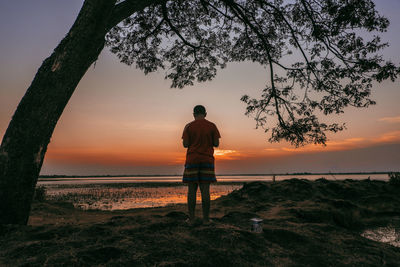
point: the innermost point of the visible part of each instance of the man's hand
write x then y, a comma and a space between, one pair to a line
216, 142
185, 143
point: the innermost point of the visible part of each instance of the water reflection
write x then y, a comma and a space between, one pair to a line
121, 198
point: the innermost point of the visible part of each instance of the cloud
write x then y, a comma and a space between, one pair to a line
345, 144
227, 154
339, 145
116, 157
222, 152
391, 119
271, 149
390, 137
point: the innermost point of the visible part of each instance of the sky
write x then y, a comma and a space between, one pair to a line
120, 121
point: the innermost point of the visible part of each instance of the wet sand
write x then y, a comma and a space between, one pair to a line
306, 223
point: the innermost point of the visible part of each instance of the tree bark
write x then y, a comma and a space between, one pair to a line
28, 134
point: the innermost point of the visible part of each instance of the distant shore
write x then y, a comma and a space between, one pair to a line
244, 174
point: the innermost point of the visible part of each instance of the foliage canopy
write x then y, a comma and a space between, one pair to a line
320, 56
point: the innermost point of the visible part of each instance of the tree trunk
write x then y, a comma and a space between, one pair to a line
28, 134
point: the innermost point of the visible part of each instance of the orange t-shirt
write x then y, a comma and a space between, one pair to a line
200, 134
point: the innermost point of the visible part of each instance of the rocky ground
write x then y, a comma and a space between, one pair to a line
306, 223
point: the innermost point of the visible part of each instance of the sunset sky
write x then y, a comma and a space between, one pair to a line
120, 121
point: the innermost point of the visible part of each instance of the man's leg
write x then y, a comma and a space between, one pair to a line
191, 199
205, 200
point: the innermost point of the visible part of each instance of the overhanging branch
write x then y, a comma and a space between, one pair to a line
266, 45
174, 29
126, 8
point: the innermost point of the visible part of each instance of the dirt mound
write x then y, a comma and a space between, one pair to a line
305, 224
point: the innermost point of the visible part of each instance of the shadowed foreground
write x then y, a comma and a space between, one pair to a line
305, 224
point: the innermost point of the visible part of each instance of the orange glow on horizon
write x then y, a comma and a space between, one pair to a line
129, 156
339, 145
226, 154
115, 157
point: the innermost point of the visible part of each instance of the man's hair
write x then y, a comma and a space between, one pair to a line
199, 109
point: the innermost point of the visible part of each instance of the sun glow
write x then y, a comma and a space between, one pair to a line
226, 154
222, 152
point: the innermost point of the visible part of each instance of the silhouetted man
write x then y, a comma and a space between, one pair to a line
199, 137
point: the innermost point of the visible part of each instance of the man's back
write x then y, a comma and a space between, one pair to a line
200, 135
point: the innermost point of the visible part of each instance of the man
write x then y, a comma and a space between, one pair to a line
199, 137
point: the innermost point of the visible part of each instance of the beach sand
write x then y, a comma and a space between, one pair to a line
305, 223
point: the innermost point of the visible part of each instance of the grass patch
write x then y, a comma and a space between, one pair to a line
394, 178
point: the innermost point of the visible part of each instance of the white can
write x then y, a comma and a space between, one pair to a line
256, 225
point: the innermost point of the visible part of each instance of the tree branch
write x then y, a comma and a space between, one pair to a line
219, 11
294, 37
126, 8
327, 44
245, 20
174, 29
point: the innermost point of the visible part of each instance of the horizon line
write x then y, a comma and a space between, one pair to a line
244, 174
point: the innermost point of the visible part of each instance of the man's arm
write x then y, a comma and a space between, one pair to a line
185, 143
185, 137
216, 142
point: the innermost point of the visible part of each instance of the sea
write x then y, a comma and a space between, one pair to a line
128, 192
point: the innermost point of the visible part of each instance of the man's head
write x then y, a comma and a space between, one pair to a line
199, 111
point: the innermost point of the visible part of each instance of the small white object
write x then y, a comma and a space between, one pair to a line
256, 225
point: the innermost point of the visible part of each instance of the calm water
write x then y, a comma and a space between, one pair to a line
106, 197
118, 193
169, 179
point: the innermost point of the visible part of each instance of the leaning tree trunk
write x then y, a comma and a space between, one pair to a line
28, 134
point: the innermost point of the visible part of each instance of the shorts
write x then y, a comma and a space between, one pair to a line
199, 173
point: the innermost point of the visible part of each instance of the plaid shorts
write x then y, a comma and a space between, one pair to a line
199, 173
